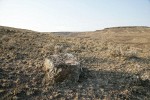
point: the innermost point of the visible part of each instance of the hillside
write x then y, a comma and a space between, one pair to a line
138, 36
115, 61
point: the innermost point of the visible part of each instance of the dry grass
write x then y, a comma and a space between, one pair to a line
116, 64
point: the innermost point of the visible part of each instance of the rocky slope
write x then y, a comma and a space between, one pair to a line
115, 61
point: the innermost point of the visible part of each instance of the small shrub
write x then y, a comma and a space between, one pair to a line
123, 51
130, 53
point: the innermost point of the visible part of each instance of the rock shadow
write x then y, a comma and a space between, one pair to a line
104, 85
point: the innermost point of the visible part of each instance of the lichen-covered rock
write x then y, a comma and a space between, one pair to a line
60, 68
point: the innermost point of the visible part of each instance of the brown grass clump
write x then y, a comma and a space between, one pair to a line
124, 51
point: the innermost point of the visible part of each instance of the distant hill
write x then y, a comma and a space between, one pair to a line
137, 35
110, 29
126, 28
12, 29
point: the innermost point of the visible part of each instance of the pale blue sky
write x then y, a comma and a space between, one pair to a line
73, 15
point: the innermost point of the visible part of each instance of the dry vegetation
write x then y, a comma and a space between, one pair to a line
115, 61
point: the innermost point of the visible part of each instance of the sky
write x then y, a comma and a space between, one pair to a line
73, 15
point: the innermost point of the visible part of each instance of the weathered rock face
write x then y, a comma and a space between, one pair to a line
60, 68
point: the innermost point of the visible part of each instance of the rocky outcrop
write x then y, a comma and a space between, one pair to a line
62, 67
